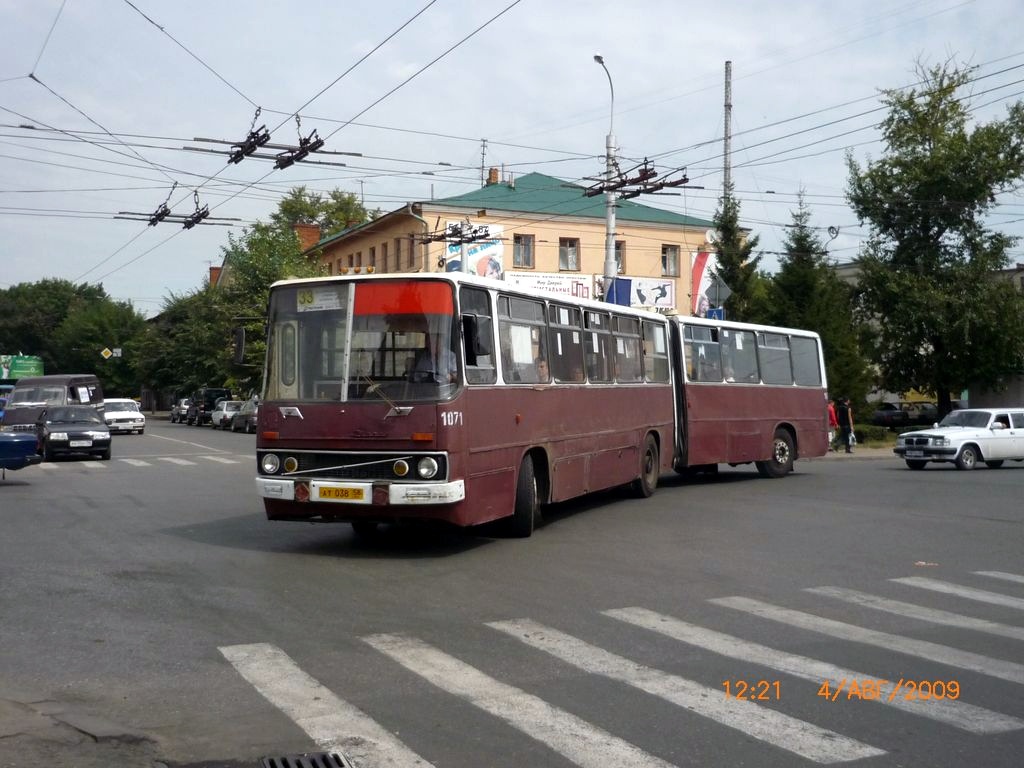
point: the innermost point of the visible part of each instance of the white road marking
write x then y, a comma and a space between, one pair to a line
980, 595
957, 713
1014, 577
186, 442
47, 465
179, 462
921, 613
334, 724
575, 739
220, 459
94, 464
943, 654
788, 733
136, 462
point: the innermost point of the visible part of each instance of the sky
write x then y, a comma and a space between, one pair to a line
105, 105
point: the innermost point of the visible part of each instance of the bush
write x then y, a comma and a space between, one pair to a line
871, 433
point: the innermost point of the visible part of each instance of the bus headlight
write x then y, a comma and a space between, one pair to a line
271, 463
400, 468
427, 468
291, 464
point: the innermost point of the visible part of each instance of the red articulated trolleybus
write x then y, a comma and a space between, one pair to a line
461, 399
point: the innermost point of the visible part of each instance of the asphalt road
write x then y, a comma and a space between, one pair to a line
150, 615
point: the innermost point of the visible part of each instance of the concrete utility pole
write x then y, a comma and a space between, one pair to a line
727, 144
610, 269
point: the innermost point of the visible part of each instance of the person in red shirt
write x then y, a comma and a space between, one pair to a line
833, 425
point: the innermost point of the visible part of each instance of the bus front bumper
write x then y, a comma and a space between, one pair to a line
380, 494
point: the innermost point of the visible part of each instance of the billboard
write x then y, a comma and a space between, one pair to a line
486, 257
20, 366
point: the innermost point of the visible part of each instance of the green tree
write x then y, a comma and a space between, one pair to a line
31, 313
88, 329
927, 270
807, 293
737, 267
333, 213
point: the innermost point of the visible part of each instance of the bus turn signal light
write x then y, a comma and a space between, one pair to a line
423, 437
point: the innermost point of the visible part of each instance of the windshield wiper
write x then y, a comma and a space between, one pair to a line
396, 410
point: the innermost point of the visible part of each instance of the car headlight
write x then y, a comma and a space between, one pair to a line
98, 435
941, 442
900, 440
427, 467
58, 435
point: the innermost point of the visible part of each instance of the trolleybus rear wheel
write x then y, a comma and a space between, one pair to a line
781, 462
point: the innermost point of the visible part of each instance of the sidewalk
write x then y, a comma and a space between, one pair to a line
860, 452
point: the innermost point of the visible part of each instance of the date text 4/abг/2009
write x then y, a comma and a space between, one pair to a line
869, 689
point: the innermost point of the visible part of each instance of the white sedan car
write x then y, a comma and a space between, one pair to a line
123, 415
965, 437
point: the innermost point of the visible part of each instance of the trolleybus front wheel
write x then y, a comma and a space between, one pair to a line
523, 520
650, 468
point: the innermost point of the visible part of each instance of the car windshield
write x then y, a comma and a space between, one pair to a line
965, 419
48, 395
72, 413
122, 405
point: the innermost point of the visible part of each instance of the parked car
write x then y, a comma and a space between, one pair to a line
68, 429
223, 412
889, 415
904, 414
203, 401
18, 450
123, 415
965, 437
245, 418
179, 411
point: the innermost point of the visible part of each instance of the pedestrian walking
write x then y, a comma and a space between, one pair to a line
844, 418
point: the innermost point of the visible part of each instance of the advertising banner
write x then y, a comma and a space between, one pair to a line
20, 366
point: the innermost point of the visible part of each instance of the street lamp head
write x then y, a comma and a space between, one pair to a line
599, 59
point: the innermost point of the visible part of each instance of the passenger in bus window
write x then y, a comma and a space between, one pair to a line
541, 367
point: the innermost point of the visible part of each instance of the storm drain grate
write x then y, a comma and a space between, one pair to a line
307, 760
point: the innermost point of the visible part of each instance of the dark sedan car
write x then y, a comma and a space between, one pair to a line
68, 429
244, 419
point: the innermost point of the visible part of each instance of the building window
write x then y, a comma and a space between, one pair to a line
670, 261
522, 251
398, 254
373, 257
351, 261
620, 257
569, 254
359, 259
384, 257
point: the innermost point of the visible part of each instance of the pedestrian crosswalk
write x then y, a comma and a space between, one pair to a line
149, 462
808, 736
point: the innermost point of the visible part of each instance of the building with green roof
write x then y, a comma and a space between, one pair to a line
541, 231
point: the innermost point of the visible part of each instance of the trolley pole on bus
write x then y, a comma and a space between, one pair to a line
610, 269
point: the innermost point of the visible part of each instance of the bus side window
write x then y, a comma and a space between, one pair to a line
565, 343
478, 336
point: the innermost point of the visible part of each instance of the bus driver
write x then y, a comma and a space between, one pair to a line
434, 363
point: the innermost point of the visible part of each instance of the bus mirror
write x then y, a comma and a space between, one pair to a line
239, 344
476, 331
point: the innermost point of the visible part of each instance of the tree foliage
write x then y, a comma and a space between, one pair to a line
807, 293
68, 326
737, 266
944, 321
332, 214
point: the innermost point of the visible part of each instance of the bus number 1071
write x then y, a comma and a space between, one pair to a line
451, 418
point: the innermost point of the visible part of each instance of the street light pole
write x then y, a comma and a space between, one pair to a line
610, 269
